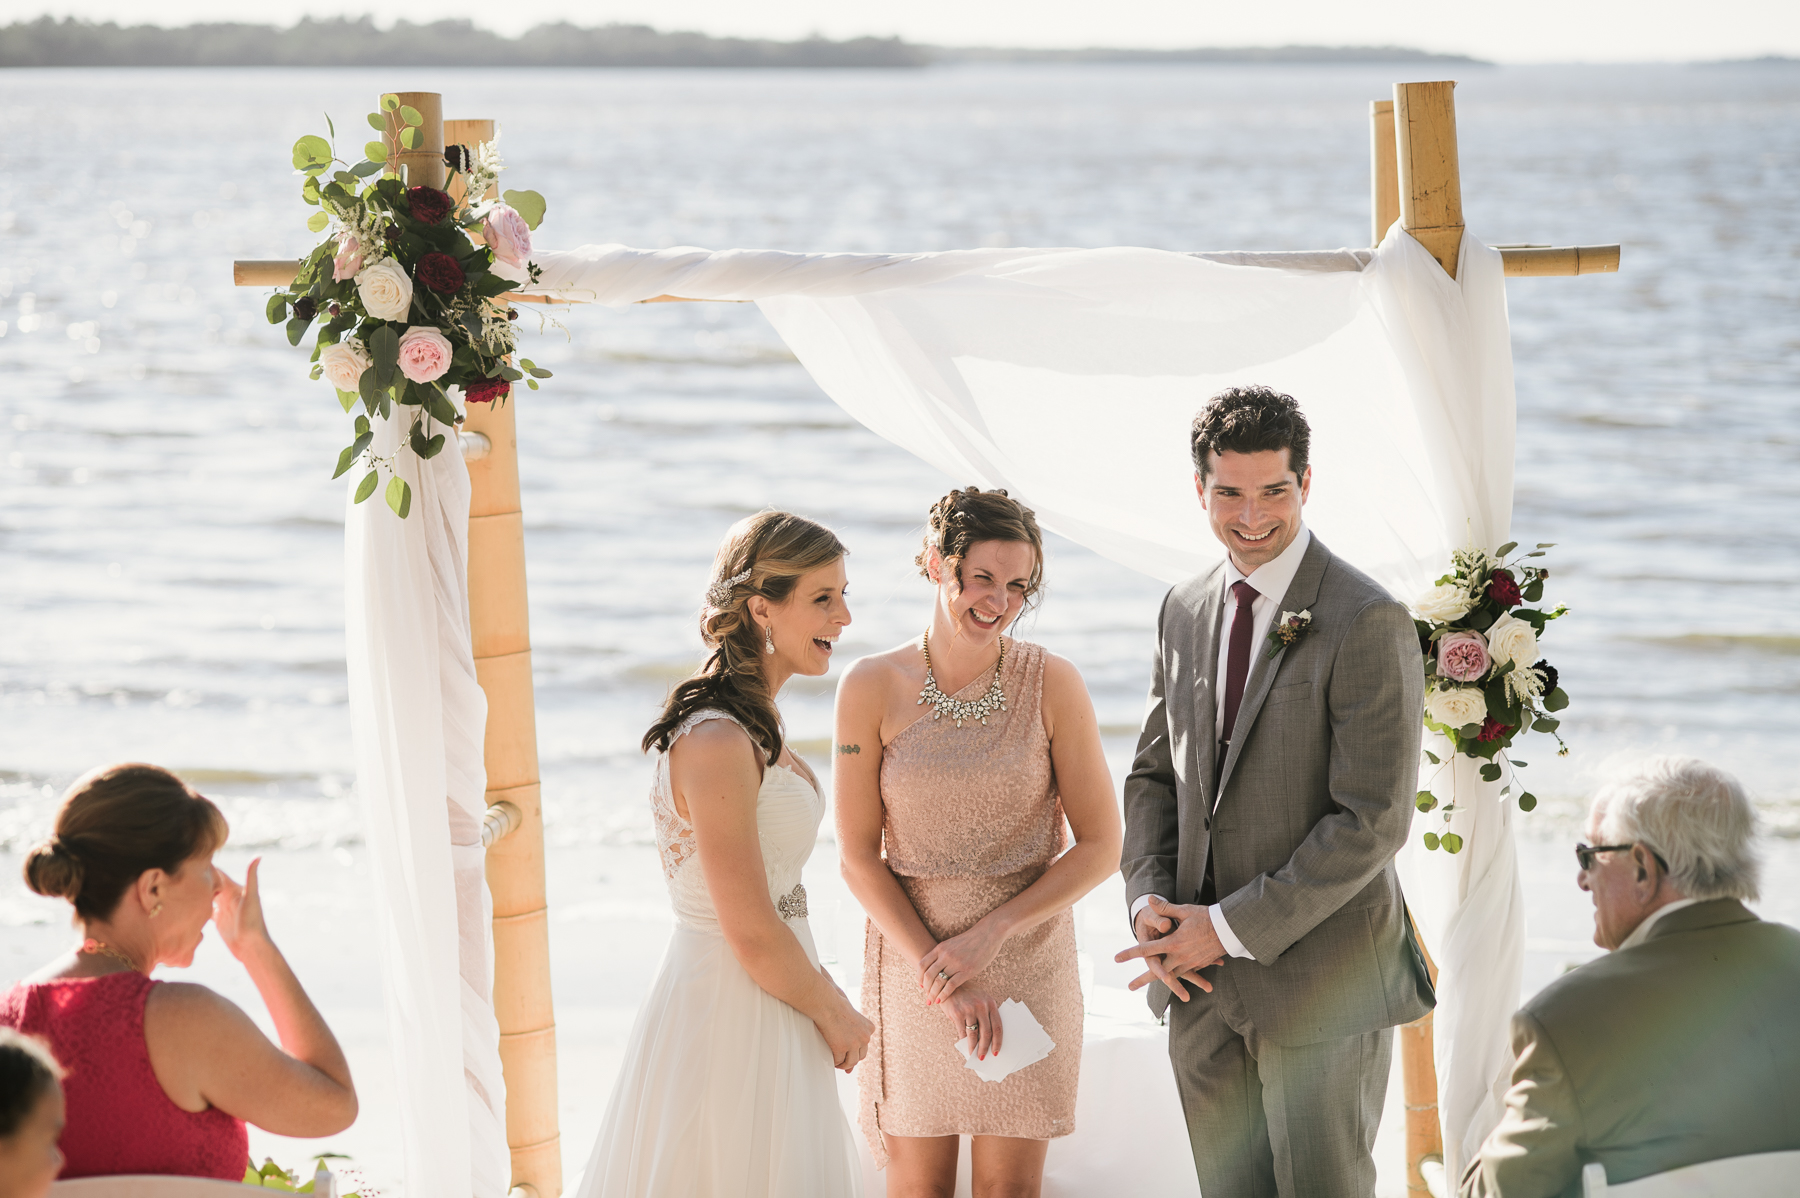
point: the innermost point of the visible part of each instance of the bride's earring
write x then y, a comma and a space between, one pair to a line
768, 639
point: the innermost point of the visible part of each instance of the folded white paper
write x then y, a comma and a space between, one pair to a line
1023, 1041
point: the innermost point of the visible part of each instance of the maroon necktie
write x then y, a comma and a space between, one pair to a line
1237, 658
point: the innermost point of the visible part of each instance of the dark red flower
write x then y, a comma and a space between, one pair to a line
485, 390
1492, 729
305, 308
428, 205
1503, 589
440, 273
1550, 675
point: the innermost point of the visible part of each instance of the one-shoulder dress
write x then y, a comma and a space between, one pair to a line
726, 1091
971, 816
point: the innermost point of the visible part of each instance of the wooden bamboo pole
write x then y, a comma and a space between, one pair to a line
1430, 182
1419, 1088
500, 629
423, 165
1384, 174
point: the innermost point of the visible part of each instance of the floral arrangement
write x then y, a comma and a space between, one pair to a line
272, 1176
1485, 685
410, 284
1288, 630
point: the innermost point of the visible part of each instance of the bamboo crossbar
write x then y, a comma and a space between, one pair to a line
1525, 261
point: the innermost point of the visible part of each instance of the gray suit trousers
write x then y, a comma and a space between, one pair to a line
1267, 1121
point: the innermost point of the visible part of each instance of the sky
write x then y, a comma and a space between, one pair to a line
1509, 31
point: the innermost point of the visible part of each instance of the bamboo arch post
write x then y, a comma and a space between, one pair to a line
1414, 179
501, 635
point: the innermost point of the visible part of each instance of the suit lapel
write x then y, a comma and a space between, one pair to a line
1206, 656
1301, 594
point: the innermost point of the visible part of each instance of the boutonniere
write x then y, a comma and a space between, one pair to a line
1290, 628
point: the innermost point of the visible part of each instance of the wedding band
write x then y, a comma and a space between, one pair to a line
971, 1027
943, 975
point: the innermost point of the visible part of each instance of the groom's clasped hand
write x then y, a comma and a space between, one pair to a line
1175, 941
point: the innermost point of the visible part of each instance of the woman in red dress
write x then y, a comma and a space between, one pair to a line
162, 1076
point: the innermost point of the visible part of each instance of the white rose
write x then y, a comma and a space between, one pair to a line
1456, 706
344, 363
385, 289
1512, 639
1444, 603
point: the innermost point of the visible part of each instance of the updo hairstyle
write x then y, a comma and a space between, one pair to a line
114, 824
967, 517
27, 1073
776, 548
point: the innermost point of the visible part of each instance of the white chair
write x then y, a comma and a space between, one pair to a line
1765, 1175
150, 1185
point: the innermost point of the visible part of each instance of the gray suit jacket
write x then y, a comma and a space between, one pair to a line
1315, 798
1682, 1049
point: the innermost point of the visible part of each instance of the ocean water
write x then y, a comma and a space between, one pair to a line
170, 538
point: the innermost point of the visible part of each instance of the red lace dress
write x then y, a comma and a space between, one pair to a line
120, 1119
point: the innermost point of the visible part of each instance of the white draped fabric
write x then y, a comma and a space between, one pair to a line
1070, 377
418, 717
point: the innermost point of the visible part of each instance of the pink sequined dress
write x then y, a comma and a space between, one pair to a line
971, 817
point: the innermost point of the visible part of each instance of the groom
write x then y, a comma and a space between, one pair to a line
1273, 785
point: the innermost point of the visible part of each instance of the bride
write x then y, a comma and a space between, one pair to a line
726, 1087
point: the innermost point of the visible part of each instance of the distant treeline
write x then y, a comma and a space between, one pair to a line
47, 42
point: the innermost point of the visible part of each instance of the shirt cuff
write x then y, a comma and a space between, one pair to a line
1223, 931
1143, 900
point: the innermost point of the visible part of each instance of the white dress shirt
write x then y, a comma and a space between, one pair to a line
1641, 933
1271, 580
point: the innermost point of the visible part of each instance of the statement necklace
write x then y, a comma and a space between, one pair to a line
944, 705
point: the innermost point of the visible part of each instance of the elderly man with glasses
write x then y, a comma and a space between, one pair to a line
1681, 1045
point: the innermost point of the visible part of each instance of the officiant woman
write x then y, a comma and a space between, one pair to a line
959, 753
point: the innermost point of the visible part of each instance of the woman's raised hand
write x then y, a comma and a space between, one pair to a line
237, 911
977, 1016
956, 961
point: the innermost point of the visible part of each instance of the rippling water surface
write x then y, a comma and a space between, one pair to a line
170, 565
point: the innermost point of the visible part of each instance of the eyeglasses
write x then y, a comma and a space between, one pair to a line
1584, 854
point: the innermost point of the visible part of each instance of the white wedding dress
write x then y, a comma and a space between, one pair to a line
725, 1090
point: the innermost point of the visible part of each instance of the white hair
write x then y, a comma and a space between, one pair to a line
1695, 816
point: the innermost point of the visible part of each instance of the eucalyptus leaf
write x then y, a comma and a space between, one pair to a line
366, 487
1506, 549
440, 407
433, 446
369, 388
377, 122
1431, 840
347, 398
1432, 757
352, 452
1425, 800
375, 151
1452, 843
1546, 723
296, 329
363, 170
1527, 800
528, 204
1546, 544
390, 102
384, 350
277, 308
411, 115
532, 383
399, 496
1556, 700
331, 128
1490, 772
311, 150
409, 138
362, 425
317, 221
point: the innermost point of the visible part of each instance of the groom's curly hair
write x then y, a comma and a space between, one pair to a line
1250, 420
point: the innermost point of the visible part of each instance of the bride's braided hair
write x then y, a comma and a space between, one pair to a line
770, 551
967, 517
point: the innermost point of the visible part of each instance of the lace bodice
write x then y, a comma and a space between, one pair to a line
789, 810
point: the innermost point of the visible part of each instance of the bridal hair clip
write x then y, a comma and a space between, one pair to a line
719, 593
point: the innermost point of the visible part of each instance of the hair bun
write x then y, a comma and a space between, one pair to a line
53, 871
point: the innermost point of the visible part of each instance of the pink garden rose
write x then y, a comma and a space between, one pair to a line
1461, 655
424, 354
349, 259
507, 235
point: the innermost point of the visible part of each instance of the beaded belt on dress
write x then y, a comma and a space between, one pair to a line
792, 905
